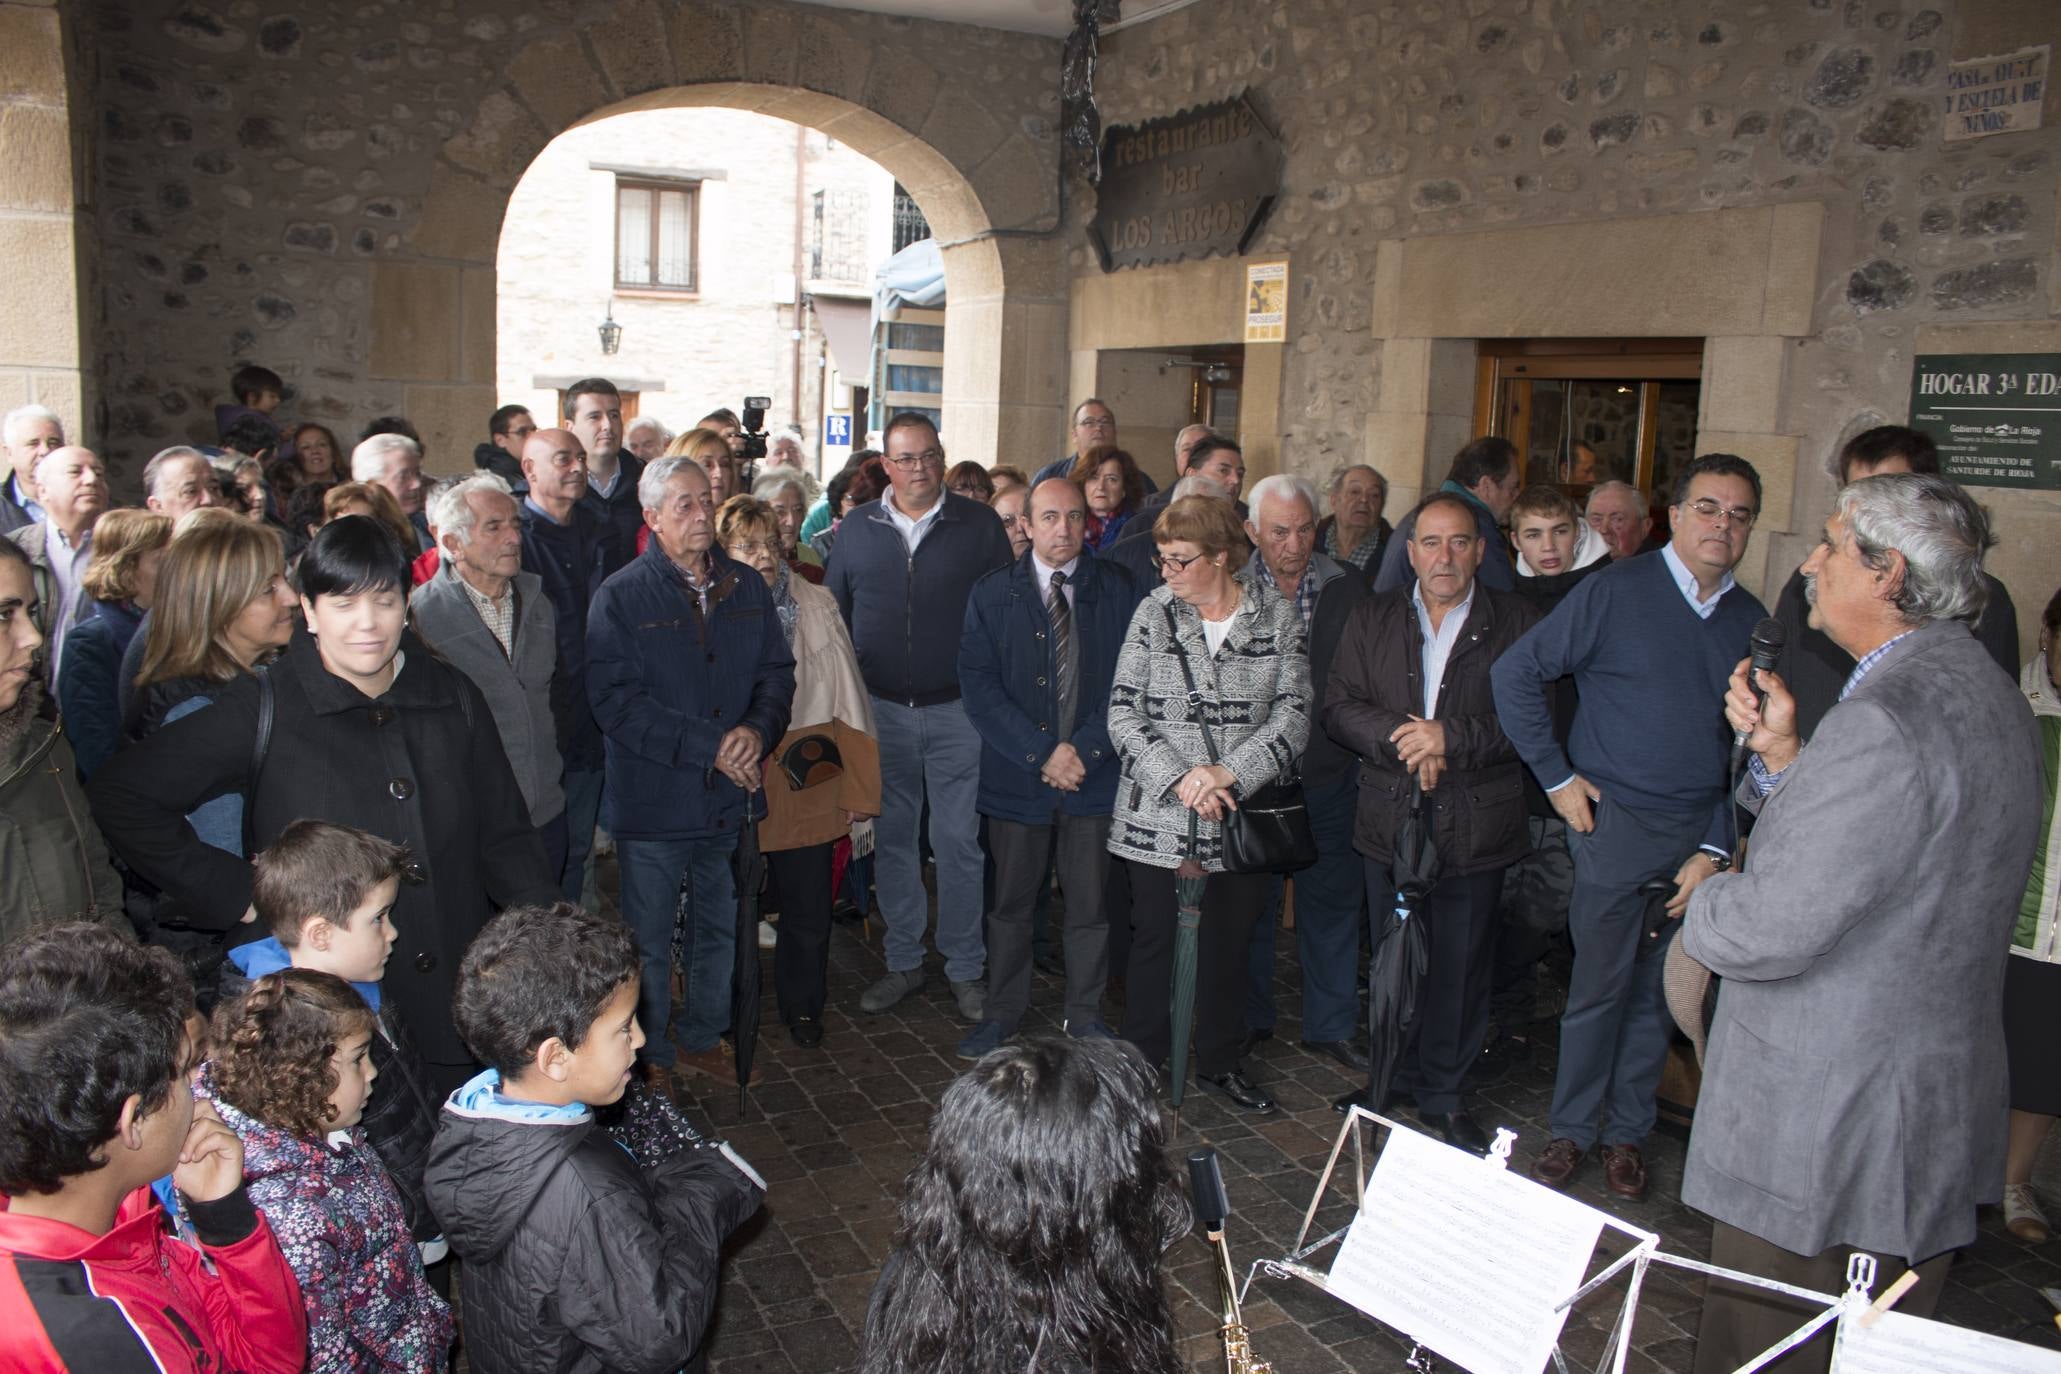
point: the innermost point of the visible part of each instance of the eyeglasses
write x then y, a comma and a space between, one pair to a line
926, 458
748, 547
1168, 564
1710, 512
1096, 422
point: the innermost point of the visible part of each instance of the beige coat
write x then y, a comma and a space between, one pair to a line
829, 698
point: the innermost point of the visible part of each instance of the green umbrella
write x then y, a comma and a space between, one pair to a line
1189, 880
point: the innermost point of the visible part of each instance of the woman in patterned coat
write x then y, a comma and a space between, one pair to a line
1244, 647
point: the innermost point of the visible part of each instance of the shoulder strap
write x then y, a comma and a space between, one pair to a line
1173, 630
261, 745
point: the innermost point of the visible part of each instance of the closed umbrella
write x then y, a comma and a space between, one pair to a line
1401, 958
1189, 880
744, 982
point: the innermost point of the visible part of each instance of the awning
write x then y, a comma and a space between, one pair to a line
848, 326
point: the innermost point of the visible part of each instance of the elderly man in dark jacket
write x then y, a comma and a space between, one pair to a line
1410, 693
572, 550
1331, 893
692, 681
1035, 664
1854, 1090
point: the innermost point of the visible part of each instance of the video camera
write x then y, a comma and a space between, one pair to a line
753, 427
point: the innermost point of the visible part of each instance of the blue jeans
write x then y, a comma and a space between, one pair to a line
1615, 1031
582, 806
929, 750
653, 875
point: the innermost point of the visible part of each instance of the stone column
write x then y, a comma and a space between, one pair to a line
44, 224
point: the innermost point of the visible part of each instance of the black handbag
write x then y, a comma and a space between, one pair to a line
1270, 830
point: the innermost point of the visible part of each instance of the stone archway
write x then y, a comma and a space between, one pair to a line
964, 119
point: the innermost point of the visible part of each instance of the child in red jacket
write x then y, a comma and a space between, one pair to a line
95, 1103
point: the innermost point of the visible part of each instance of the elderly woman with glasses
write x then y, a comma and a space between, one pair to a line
1188, 757
822, 778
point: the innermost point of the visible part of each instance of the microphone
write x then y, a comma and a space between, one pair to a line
1206, 1185
1768, 640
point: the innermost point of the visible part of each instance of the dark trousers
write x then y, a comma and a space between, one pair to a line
1614, 1034
1231, 902
555, 836
801, 960
1739, 1322
1536, 890
1023, 864
1459, 916
1330, 902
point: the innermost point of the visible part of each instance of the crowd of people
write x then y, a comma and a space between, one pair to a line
339, 753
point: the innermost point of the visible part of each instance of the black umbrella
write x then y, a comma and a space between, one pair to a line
1402, 957
744, 982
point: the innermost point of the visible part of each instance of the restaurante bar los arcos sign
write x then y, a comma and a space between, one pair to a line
1187, 186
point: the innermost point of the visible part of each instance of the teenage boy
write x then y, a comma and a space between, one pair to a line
577, 1254
91, 1280
258, 391
327, 892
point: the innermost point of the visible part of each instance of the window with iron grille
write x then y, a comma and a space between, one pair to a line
837, 244
910, 226
657, 235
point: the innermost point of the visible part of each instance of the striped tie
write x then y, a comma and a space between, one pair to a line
1062, 654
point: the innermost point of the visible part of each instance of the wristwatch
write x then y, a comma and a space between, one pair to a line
1718, 862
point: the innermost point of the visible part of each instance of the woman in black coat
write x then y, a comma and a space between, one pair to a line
368, 729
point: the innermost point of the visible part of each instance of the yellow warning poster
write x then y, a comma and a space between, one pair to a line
1266, 302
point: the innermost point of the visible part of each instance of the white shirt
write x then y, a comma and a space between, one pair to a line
1215, 632
912, 530
1044, 576
1686, 580
1438, 643
67, 568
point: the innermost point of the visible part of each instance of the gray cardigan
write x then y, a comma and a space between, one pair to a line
1854, 1090
1256, 696
518, 692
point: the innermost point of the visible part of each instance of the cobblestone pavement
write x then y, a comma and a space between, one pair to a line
836, 1129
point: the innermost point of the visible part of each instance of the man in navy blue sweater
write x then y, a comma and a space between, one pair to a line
901, 572
1643, 784
570, 549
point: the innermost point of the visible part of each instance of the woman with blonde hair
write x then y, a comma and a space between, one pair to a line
710, 449
122, 580
822, 778
369, 498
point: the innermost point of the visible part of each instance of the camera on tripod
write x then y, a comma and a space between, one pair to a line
752, 428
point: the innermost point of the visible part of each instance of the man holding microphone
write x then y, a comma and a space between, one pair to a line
1853, 1095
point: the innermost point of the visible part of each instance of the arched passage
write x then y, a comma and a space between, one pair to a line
964, 122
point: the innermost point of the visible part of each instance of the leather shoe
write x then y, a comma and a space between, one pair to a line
1387, 1107
1459, 1130
1255, 1036
1624, 1172
1344, 1051
1555, 1165
806, 1032
1240, 1090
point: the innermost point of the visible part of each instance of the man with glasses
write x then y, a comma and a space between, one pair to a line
1644, 786
1094, 426
901, 571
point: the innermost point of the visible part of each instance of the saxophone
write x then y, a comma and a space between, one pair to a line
1212, 1209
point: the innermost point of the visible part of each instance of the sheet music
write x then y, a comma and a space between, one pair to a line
1467, 1258
1899, 1344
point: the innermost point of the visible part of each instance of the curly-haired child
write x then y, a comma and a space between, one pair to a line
291, 1071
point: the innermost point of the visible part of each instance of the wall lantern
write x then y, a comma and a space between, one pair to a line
611, 333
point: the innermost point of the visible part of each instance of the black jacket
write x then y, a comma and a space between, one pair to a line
904, 611
576, 1257
1815, 669
1545, 592
1341, 588
620, 512
415, 766
1377, 683
572, 561
503, 464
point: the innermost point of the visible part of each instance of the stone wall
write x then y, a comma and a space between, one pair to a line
728, 339
320, 186
1408, 121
